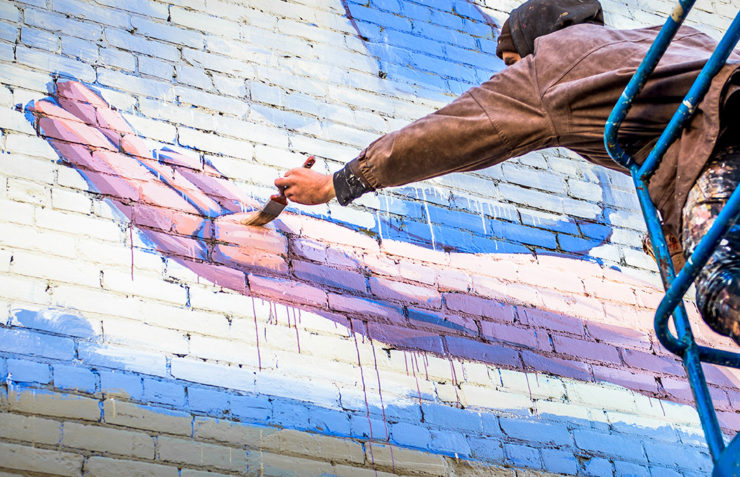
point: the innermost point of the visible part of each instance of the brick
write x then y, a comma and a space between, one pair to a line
512, 334
619, 336
551, 321
404, 460
150, 418
213, 374
399, 291
652, 362
107, 440
20, 457
31, 429
13, 340
328, 276
622, 446
209, 401
108, 467
534, 431
285, 290
559, 461
586, 349
51, 404
598, 466
91, 13
28, 371
121, 358
623, 377
172, 449
164, 392
410, 435
480, 306
523, 456
116, 383
75, 378
557, 366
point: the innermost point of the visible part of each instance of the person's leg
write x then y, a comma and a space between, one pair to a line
718, 284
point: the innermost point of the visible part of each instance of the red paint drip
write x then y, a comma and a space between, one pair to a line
364, 392
257, 335
418, 390
380, 393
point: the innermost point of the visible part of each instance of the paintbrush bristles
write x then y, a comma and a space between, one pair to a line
266, 215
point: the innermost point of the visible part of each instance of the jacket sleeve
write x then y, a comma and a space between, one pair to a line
502, 118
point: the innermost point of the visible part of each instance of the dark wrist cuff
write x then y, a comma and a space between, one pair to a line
348, 186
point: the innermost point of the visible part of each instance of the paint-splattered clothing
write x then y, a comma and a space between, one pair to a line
562, 96
718, 283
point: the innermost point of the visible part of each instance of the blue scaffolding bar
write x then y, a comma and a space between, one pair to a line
726, 459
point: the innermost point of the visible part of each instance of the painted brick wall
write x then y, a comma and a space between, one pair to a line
496, 322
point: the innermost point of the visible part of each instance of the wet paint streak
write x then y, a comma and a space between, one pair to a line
256, 335
380, 394
364, 392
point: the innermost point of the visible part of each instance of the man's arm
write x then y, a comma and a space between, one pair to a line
502, 118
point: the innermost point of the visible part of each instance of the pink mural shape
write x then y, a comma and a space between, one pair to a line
192, 213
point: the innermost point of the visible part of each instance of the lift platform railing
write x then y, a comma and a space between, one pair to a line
726, 459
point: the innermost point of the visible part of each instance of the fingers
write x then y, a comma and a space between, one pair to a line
304, 186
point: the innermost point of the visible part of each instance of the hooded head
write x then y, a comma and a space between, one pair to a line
537, 18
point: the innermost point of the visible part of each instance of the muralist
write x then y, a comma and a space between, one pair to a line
565, 72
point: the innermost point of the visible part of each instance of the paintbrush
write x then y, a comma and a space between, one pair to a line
274, 206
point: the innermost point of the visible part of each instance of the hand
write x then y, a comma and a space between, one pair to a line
305, 186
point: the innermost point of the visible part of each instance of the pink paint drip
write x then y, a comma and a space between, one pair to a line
257, 335
380, 393
454, 382
406, 363
526, 378
426, 362
364, 392
295, 325
131, 241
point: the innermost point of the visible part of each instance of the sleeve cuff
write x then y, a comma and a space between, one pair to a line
349, 185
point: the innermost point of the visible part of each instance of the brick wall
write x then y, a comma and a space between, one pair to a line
496, 322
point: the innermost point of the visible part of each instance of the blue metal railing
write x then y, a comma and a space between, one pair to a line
726, 459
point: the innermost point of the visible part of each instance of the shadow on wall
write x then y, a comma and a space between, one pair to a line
417, 420
189, 212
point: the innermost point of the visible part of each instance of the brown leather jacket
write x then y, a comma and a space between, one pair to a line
562, 96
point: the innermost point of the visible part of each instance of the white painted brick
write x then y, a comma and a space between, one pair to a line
27, 168
142, 335
53, 63
30, 146
18, 289
70, 200
22, 76
26, 191
156, 130
69, 177
214, 143
204, 22
14, 121
86, 225
144, 285
241, 352
29, 238
57, 269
